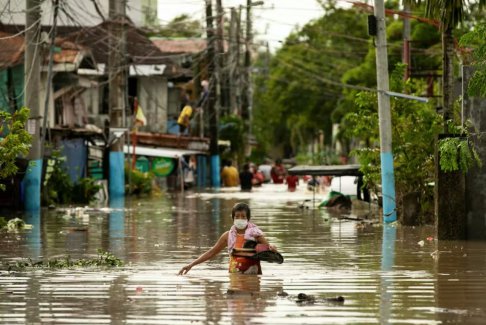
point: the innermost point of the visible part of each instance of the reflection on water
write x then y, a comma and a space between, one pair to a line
387, 262
386, 275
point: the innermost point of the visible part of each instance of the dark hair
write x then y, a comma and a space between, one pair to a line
241, 207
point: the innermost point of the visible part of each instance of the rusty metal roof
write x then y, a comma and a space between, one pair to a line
180, 45
12, 49
140, 49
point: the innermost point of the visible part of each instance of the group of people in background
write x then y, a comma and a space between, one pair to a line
252, 176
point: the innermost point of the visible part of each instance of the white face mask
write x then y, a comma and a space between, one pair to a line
240, 223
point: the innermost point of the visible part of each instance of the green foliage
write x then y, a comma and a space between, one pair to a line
450, 13
298, 85
476, 40
232, 128
456, 153
181, 26
322, 157
57, 184
414, 128
84, 191
15, 143
58, 187
104, 259
138, 183
13, 225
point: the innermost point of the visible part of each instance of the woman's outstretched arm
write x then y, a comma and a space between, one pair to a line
213, 251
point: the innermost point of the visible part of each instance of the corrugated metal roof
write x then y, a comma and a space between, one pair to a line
189, 45
12, 49
140, 49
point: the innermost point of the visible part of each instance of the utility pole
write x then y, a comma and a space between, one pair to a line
52, 47
386, 154
406, 41
247, 96
213, 113
32, 180
117, 76
238, 77
233, 60
221, 75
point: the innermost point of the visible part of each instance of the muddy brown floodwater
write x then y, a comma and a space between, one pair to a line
387, 275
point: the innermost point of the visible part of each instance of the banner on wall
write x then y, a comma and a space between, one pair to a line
163, 166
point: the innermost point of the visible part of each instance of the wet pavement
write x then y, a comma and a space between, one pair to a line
386, 275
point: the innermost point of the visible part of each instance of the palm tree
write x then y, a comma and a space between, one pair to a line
450, 213
450, 13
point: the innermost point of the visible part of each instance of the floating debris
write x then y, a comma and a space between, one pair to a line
103, 259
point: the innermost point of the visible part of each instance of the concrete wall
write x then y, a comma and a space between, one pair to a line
474, 109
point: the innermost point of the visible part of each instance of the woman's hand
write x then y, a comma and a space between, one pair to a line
185, 269
273, 248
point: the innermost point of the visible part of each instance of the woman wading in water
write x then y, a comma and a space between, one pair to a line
242, 260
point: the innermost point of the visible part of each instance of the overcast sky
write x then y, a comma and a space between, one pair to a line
272, 22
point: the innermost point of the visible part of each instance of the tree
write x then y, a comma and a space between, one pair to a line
425, 40
15, 143
451, 15
181, 26
476, 39
414, 127
302, 86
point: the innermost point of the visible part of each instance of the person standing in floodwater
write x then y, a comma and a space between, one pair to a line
246, 178
278, 172
292, 182
234, 239
229, 175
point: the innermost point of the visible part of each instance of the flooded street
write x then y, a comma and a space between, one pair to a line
386, 275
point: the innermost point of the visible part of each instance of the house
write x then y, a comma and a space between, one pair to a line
151, 74
148, 76
78, 108
188, 54
12, 91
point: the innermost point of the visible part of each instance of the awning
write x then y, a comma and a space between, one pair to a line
135, 70
328, 170
160, 152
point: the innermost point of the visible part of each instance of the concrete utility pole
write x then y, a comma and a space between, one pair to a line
213, 113
233, 60
220, 72
117, 75
387, 173
406, 41
248, 93
52, 47
32, 180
